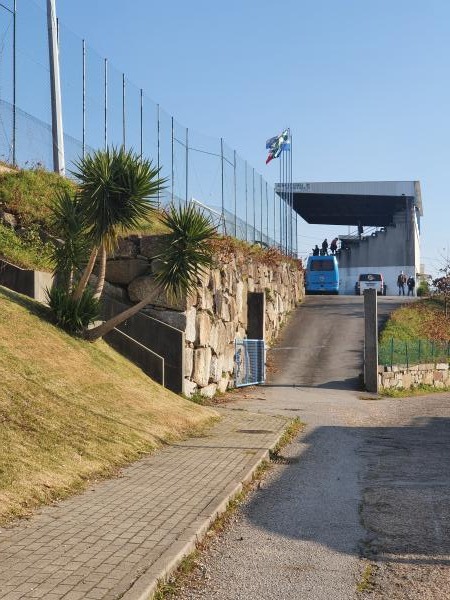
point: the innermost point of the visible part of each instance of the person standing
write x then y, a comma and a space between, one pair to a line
411, 283
333, 245
401, 280
316, 251
325, 247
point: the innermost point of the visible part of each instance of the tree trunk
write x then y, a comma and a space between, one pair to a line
86, 274
101, 330
101, 274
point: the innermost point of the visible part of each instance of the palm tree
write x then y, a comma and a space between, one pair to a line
70, 252
116, 189
188, 254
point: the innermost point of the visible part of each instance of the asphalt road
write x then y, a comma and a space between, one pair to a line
366, 483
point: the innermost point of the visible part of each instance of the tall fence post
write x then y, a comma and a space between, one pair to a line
14, 129
123, 112
254, 208
235, 193
187, 165
84, 100
172, 161
222, 191
370, 341
158, 151
141, 114
246, 204
55, 88
105, 102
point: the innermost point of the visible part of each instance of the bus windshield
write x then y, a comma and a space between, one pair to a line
322, 265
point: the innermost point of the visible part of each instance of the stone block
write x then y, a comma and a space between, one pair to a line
428, 378
188, 362
202, 365
215, 280
205, 299
191, 320
154, 245
8, 219
216, 368
438, 376
223, 385
230, 331
442, 366
170, 317
126, 248
123, 270
203, 329
218, 339
189, 388
209, 391
232, 309
145, 287
156, 265
407, 381
228, 361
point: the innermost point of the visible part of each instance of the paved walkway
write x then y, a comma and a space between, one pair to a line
115, 540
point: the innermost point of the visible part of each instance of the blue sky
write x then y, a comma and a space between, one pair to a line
363, 85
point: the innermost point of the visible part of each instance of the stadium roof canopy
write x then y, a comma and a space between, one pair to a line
368, 203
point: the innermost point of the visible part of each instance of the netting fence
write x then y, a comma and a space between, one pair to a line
413, 352
101, 106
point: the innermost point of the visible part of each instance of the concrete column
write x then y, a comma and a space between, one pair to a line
370, 341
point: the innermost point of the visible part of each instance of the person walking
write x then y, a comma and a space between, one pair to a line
411, 283
325, 247
401, 280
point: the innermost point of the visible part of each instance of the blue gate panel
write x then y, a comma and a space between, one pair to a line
249, 362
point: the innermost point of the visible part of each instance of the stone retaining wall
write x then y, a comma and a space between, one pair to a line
401, 376
216, 313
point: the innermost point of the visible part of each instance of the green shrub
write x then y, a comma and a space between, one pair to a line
73, 315
423, 289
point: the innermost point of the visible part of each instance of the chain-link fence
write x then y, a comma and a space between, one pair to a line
412, 352
102, 107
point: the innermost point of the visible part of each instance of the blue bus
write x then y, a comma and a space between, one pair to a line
322, 275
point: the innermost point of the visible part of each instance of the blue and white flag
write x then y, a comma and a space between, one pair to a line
277, 144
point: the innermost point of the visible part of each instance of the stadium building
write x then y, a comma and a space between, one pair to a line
387, 216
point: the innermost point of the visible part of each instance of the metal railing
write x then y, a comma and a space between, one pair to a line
413, 352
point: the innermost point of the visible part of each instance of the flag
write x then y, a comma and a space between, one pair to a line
277, 144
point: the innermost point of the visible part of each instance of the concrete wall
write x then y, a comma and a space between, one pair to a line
402, 377
25, 281
389, 252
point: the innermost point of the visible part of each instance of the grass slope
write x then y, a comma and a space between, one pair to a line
71, 411
424, 319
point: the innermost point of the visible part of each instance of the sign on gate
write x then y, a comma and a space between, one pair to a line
249, 362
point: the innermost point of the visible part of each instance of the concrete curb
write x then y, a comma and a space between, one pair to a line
145, 586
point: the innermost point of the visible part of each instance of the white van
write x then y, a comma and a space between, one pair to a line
370, 281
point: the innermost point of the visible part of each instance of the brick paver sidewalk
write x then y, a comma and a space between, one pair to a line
118, 538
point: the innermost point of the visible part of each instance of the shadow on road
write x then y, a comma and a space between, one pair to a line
351, 383
403, 477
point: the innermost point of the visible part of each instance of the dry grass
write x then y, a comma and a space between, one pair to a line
424, 319
71, 411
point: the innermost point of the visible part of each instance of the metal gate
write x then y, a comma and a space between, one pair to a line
249, 362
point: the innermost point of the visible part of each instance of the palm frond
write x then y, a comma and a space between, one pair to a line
188, 253
117, 190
